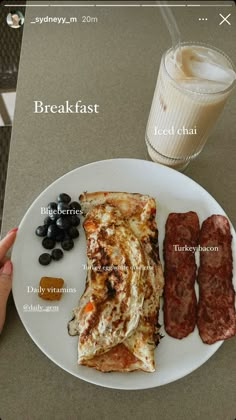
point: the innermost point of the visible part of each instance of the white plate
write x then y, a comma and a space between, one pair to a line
174, 192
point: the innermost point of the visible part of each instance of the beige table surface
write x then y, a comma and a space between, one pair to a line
114, 63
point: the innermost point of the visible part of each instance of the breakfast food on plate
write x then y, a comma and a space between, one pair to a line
50, 288
216, 311
59, 226
180, 303
117, 315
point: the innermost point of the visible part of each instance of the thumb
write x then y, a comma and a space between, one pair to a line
5, 288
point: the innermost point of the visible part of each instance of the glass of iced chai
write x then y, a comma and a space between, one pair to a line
193, 84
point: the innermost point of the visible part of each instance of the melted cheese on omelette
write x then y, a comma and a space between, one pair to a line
116, 294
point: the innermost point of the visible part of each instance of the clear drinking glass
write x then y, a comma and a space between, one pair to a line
181, 118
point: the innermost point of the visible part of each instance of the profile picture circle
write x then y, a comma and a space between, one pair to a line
15, 19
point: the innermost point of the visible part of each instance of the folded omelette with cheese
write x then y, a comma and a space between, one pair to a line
117, 315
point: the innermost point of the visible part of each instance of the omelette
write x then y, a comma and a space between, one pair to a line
117, 315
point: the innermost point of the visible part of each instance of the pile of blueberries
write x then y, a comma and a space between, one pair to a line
59, 226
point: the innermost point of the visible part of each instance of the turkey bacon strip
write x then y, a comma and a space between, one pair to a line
216, 310
180, 303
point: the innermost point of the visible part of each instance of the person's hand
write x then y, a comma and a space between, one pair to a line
5, 273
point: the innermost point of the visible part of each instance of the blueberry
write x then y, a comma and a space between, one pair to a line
66, 235
41, 231
45, 259
52, 205
75, 206
48, 243
73, 232
57, 254
64, 197
47, 221
60, 236
74, 220
67, 245
63, 223
63, 208
53, 215
52, 232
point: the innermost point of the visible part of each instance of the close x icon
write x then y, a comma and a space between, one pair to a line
225, 19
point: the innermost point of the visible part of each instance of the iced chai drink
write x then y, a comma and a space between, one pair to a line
193, 85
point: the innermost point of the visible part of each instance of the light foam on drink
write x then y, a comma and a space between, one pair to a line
200, 69
192, 88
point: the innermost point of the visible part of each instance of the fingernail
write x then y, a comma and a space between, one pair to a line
15, 229
7, 268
